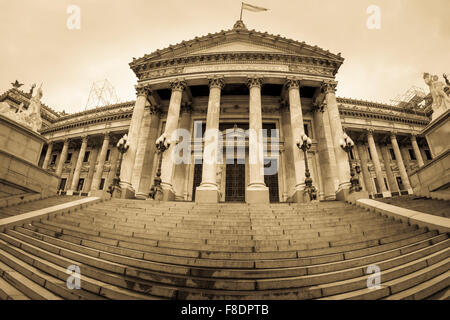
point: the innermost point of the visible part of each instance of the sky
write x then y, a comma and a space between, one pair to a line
380, 64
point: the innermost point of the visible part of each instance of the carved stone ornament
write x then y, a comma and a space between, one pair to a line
178, 85
254, 82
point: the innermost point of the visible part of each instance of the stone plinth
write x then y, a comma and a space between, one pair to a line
20, 141
435, 175
437, 134
20, 150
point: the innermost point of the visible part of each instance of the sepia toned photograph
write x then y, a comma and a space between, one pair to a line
224, 150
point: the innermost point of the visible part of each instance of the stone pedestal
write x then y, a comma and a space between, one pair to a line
258, 195
20, 149
203, 195
433, 179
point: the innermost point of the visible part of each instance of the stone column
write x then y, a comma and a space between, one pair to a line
62, 158
400, 164
415, 147
358, 160
362, 151
297, 130
48, 154
337, 133
387, 167
126, 170
90, 175
376, 164
142, 172
113, 162
326, 155
257, 192
76, 174
208, 191
180, 174
99, 167
173, 114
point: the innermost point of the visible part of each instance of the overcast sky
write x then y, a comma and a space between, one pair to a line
37, 46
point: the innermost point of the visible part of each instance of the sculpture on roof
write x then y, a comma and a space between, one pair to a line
441, 99
30, 117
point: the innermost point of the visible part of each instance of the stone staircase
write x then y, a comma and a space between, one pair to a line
129, 249
6, 212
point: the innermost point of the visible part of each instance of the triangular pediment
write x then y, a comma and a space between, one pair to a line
239, 39
237, 46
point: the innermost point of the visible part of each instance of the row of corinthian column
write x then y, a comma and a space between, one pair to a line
361, 155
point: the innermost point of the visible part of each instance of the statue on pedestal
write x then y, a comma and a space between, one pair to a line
441, 100
30, 117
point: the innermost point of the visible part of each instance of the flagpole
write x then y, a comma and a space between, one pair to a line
242, 4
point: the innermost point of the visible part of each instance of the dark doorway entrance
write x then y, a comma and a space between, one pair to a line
197, 178
235, 182
271, 181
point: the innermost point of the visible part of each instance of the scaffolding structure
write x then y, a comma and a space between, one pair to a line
414, 98
102, 94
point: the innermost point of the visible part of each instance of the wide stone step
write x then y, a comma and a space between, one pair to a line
22, 284
396, 281
56, 266
242, 264
142, 269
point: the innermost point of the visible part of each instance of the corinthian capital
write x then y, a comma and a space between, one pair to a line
216, 83
292, 84
178, 85
141, 91
369, 131
254, 82
393, 134
328, 87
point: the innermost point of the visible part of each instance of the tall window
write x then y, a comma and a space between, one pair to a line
53, 159
412, 155
62, 184
102, 184
108, 153
392, 154
80, 184
370, 154
428, 155
69, 158
377, 186
86, 156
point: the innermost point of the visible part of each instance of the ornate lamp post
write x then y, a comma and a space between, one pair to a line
305, 145
123, 145
347, 144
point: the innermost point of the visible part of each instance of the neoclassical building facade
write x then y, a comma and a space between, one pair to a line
235, 82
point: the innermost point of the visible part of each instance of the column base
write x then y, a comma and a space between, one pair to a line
352, 197
342, 194
141, 196
410, 191
257, 196
127, 191
98, 193
299, 196
168, 195
206, 195
69, 193
387, 194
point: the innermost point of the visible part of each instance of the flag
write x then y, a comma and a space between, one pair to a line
249, 7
